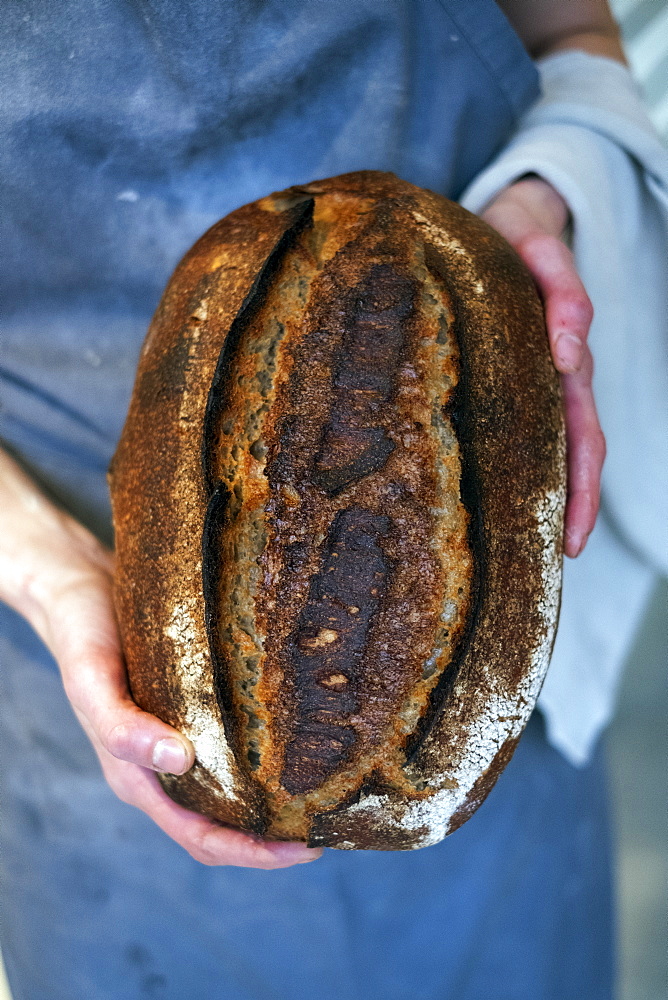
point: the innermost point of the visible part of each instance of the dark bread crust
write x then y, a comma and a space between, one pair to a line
338, 501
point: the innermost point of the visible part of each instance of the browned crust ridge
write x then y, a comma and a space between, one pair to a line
338, 502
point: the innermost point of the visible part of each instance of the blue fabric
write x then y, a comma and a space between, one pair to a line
133, 125
99, 905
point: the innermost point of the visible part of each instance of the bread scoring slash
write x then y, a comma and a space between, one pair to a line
338, 501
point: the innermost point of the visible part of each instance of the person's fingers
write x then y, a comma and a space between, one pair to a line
568, 309
207, 842
530, 215
586, 454
568, 316
95, 685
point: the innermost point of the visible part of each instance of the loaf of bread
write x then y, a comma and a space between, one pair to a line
338, 502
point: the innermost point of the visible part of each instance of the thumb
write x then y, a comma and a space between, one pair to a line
86, 644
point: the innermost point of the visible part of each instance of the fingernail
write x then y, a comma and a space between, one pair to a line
169, 755
296, 853
576, 542
569, 351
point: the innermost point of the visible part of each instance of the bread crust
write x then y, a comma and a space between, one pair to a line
338, 502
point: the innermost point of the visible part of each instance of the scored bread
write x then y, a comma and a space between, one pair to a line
338, 503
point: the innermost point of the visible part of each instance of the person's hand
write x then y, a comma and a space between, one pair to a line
532, 216
55, 573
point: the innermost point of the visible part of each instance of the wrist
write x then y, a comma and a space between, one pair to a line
595, 43
545, 202
43, 551
527, 206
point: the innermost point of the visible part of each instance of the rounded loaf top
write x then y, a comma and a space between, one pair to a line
338, 502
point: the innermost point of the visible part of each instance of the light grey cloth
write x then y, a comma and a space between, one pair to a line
590, 137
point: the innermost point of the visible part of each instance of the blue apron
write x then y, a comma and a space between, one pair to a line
131, 126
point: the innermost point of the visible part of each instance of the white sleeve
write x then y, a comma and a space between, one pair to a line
589, 136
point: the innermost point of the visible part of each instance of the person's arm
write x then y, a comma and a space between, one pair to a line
549, 26
533, 216
58, 576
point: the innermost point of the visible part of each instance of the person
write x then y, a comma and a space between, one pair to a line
130, 128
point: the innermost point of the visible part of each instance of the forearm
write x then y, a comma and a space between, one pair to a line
42, 549
549, 26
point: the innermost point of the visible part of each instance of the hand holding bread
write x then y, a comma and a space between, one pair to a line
532, 216
59, 577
